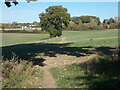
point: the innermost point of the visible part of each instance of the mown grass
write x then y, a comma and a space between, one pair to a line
77, 36
69, 36
18, 38
100, 42
20, 74
101, 72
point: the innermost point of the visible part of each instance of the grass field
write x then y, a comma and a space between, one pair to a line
79, 38
72, 46
19, 38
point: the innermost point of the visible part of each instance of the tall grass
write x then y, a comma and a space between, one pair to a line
16, 73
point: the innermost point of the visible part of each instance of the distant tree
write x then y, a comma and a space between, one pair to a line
54, 20
76, 20
111, 20
106, 21
89, 19
36, 23
85, 19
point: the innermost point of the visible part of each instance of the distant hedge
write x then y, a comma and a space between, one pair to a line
91, 26
24, 31
113, 26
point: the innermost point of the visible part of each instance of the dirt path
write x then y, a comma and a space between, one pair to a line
59, 61
48, 79
63, 60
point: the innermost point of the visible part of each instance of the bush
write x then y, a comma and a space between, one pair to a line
102, 26
24, 31
75, 27
89, 26
84, 26
16, 72
113, 25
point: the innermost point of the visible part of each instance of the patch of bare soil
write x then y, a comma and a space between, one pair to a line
59, 61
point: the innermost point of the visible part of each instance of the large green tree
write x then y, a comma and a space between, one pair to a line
54, 20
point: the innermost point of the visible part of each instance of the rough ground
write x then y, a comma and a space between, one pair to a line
59, 61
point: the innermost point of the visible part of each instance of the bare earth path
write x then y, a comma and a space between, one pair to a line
59, 61
48, 80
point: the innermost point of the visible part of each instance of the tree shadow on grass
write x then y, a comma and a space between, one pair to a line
29, 51
100, 73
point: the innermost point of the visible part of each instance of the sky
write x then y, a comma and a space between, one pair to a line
29, 12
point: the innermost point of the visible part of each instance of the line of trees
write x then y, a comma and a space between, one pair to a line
91, 23
15, 25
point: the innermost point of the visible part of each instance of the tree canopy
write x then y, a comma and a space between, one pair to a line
86, 19
54, 20
109, 21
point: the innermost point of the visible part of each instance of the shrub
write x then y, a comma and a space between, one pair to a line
24, 31
89, 26
113, 25
16, 72
102, 26
75, 27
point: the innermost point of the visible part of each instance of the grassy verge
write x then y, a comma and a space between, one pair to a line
101, 72
20, 74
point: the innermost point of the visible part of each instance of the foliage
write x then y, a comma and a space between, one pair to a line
24, 31
76, 20
106, 21
87, 26
54, 20
8, 2
36, 23
109, 21
102, 26
91, 75
86, 19
16, 73
113, 25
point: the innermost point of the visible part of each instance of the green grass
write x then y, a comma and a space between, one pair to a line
101, 72
73, 76
18, 38
104, 42
78, 37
